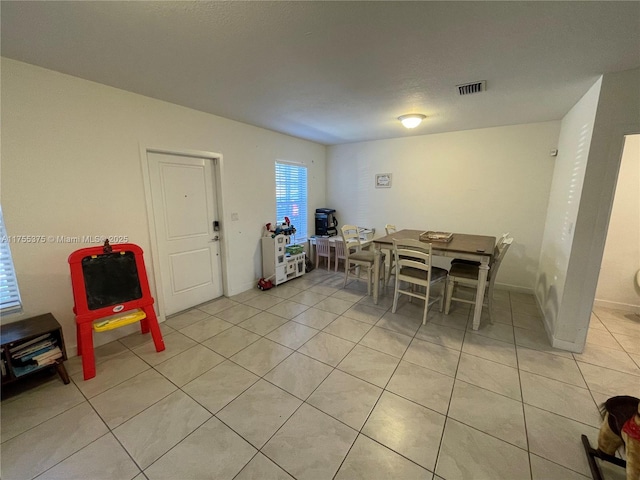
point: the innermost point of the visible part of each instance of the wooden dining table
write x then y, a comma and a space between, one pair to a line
478, 248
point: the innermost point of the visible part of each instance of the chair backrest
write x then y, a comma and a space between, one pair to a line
322, 247
390, 229
351, 236
496, 250
501, 250
414, 255
339, 247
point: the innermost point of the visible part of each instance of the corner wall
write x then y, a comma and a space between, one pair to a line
567, 314
621, 259
486, 181
71, 167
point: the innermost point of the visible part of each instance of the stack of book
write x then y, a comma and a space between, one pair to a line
34, 354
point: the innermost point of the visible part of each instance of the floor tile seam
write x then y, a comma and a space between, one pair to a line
586, 387
633, 335
302, 402
173, 447
488, 390
82, 448
436, 343
333, 335
493, 436
287, 346
397, 452
177, 388
287, 318
455, 376
40, 423
198, 376
482, 334
560, 415
85, 399
218, 311
525, 403
637, 374
148, 365
289, 418
554, 462
462, 352
226, 404
281, 388
200, 341
300, 323
621, 349
313, 358
434, 370
609, 348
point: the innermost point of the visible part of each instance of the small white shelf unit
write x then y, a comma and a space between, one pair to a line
277, 264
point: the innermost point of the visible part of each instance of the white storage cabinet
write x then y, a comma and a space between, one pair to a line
276, 261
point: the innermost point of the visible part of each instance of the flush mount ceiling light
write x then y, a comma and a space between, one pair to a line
411, 120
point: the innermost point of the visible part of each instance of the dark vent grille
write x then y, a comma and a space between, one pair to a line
469, 88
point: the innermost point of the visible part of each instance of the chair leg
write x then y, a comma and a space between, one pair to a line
396, 294
444, 294
490, 305
449, 295
369, 279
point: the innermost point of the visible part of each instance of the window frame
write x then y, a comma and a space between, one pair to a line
293, 193
10, 300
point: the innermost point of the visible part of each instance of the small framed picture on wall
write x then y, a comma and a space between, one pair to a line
383, 180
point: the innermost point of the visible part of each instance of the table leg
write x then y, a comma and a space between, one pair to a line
482, 283
376, 274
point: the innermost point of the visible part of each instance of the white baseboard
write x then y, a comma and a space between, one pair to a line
564, 345
625, 307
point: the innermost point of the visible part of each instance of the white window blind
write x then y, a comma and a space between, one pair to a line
291, 197
9, 293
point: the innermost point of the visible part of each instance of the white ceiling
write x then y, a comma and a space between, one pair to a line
336, 72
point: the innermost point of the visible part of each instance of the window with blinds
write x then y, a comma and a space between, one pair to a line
291, 197
9, 293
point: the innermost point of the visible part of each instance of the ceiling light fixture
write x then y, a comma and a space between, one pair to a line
412, 120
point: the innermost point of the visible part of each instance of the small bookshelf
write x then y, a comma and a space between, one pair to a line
31, 345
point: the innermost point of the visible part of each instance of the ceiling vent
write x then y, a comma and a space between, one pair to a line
473, 87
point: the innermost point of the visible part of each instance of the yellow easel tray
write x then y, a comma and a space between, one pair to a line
118, 322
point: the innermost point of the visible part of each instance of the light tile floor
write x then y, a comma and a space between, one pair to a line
312, 381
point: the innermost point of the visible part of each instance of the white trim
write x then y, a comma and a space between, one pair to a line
626, 307
155, 259
292, 162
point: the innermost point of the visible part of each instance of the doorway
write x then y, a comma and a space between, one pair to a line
184, 210
617, 282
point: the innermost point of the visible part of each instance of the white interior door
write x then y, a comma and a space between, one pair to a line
184, 210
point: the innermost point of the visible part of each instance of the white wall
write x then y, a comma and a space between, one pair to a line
487, 182
71, 166
621, 259
617, 114
568, 176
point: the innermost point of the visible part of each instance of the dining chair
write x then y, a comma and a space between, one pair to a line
467, 274
339, 252
356, 258
323, 249
390, 229
414, 269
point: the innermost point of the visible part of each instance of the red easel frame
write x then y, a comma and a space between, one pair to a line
85, 317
